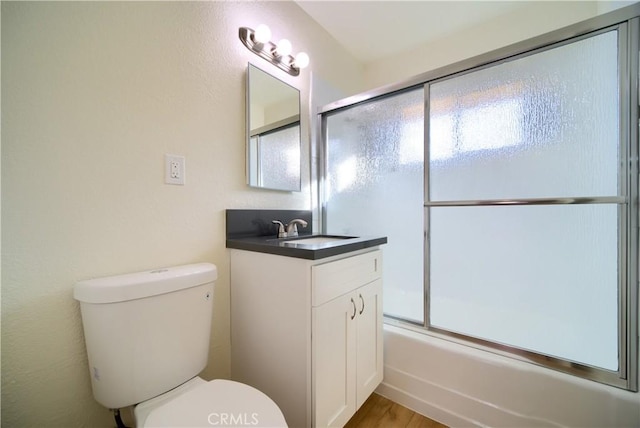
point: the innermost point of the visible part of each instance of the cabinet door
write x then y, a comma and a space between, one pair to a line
369, 350
333, 361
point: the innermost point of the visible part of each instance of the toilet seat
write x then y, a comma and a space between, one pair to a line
221, 403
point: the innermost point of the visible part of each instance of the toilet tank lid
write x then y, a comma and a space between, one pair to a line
132, 286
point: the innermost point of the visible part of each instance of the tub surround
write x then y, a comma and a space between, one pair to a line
252, 230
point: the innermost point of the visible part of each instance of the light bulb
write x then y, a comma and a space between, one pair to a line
283, 48
262, 34
301, 61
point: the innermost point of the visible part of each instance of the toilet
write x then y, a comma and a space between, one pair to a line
147, 337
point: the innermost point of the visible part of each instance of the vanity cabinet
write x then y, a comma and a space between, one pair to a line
346, 336
347, 350
308, 333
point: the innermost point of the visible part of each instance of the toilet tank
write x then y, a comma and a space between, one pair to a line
146, 332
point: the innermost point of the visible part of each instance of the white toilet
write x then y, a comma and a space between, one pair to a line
147, 337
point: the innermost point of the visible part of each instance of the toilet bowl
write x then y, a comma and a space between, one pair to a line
221, 403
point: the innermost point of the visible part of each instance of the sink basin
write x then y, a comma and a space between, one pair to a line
316, 240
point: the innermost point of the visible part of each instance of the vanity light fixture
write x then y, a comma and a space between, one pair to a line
259, 42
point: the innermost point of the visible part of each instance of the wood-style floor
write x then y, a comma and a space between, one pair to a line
378, 411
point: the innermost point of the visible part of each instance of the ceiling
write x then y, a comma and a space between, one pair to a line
371, 30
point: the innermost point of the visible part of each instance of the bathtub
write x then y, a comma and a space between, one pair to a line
459, 385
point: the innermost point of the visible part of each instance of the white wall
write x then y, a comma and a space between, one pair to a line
93, 96
533, 19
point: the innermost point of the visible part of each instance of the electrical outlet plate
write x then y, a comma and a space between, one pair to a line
174, 169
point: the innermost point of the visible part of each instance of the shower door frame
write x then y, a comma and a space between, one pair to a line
627, 21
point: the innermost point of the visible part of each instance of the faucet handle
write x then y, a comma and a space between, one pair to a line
281, 232
292, 227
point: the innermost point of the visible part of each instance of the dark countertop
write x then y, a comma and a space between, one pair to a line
310, 251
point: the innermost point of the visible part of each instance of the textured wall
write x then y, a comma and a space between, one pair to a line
93, 96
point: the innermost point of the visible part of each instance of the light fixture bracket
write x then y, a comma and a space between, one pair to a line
268, 51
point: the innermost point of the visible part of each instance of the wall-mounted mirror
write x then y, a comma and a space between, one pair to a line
273, 130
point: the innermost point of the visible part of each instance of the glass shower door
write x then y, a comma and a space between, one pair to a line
526, 202
375, 186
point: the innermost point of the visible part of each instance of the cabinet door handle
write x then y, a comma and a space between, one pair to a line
354, 308
362, 300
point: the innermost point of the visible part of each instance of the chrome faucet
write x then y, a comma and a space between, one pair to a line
281, 232
292, 227
289, 230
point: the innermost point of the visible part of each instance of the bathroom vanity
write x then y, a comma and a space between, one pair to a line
306, 323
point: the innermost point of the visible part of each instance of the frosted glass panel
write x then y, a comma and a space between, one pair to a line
280, 159
541, 278
375, 176
541, 126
